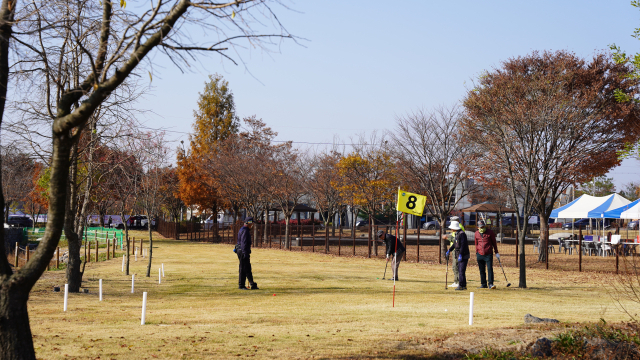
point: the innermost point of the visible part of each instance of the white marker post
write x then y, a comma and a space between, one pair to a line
100, 282
123, 263
159, 276
471, 310
136, 254
66, 296
133, 276
162, 269
144, 307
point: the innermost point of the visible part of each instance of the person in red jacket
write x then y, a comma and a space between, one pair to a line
485, 240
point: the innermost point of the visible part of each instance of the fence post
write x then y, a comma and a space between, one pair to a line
617, 260
339, 237
27, 251
15, 260
97, 246
404, 235
353, 233
313, 235
369, 237
58, 257
418, 247
108, 249
280, 232
87, 251
113, 251
580, 248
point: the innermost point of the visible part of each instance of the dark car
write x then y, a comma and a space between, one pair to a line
19, 221
585, 222
509, 221
435, 224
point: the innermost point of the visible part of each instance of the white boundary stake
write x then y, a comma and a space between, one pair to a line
159, 276
162, 269
123, 262
136, 252
133, 277
66, 296
144, 307
471, 309
100, 289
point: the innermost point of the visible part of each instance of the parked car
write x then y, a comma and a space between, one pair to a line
585, 223
19, 221
435, 225
534, 221
633, 225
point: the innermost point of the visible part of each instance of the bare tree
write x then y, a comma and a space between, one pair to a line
153, 157
321, 184
434, 159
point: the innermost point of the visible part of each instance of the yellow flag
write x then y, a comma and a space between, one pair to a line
411, 203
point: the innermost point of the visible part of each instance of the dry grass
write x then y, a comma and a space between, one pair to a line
324, 307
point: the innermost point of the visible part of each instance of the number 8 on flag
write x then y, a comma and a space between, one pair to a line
411, 203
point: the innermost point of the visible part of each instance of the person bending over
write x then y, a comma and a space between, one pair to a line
390, 242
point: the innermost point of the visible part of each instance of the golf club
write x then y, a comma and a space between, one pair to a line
446, 279
505, 275
385, 270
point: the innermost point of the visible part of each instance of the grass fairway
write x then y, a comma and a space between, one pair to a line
324, 307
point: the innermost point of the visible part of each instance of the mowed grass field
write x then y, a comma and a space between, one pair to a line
308, 306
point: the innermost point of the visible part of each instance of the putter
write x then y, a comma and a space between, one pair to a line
385, 270
505, 275
446, 279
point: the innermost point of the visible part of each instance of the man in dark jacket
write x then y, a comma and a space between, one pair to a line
461, 245
390, 241
243, 250
485, 240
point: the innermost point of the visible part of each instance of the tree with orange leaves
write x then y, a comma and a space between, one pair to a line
37, 200
367, 178
215, 120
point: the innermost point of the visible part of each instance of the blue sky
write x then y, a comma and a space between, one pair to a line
364, 63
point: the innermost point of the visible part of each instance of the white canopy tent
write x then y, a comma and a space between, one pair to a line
587, 206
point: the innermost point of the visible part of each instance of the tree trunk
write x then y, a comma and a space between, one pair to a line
375, 243
443, 245
544, 239
523, 266
287, 240
150, 245
74, 263
15, 331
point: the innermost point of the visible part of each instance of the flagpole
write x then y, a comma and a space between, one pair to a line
395, 254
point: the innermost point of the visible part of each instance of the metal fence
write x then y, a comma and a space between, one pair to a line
422, 246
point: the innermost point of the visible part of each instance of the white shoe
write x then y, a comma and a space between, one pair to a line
492, 287
455, 285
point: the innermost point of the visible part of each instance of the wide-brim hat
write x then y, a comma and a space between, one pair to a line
455, 225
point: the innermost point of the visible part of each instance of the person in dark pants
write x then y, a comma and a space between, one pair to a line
485, 240
243, 250
461, 245
390, 242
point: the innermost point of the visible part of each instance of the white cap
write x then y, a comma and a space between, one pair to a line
455, 226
